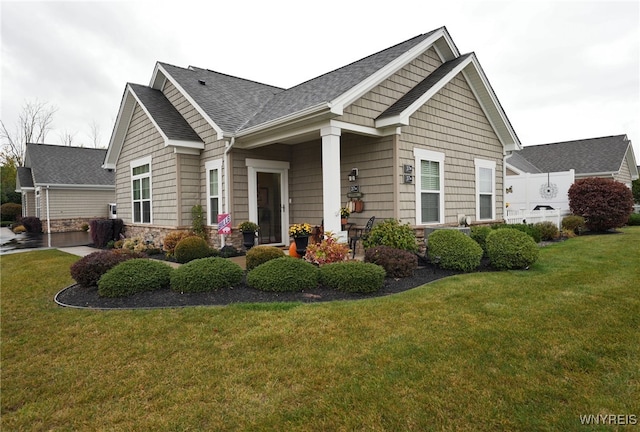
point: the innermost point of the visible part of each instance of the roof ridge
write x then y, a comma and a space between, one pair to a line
64, 146
579, 139
193, 68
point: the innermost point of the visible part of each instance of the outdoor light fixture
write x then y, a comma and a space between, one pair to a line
353, 175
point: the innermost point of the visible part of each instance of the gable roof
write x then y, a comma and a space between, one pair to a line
53, 165
24, 178
592, 156
239, 108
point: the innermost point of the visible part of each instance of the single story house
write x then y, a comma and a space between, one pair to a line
65, 187
415, 132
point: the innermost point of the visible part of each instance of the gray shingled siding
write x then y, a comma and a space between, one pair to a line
143, 140
191, 186
305, 188
452, 122
69, 203
365, 110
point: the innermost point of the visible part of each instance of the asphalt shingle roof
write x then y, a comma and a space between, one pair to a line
415, 93
167, 118
518, 161
52, 164
585, 156
236, 104
25, 180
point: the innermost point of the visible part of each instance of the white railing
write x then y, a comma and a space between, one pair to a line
535, 216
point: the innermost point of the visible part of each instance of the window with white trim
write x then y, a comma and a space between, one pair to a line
429, 186
485, 189
214, 190
141, 190
38, 203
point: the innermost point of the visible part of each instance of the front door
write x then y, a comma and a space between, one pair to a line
268, 200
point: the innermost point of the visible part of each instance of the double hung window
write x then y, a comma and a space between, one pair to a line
141, 190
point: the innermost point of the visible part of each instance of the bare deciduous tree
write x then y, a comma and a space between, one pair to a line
66, 138
94, 133
34, 122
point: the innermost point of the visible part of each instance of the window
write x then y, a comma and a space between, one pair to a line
485, 189
141, 190
429, 187
38, 204
214, 190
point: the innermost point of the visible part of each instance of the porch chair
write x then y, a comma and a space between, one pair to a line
360, 233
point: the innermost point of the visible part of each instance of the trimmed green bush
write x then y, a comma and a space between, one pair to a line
573, 223
352, 276
548, 230
453, 250
88, 270
206, 274
391, 233
479, 234
191, 248
530, 229
284, 274
634, 219
397, 263
511, 249
134, 276
261, 254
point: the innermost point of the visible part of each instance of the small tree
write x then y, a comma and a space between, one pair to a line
604, 203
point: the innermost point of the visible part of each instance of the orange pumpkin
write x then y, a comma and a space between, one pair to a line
292, 250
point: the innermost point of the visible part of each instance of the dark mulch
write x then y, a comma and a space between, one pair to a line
79, 296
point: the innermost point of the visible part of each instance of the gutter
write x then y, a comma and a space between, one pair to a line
48, 217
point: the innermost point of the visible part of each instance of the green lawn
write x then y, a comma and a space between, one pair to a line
518, 350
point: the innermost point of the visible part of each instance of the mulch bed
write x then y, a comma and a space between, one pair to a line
87, 297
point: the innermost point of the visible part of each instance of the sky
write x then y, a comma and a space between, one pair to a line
562, 70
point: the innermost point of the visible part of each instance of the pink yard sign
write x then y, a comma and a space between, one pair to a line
224, 223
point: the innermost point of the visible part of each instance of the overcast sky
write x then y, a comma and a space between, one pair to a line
562, 70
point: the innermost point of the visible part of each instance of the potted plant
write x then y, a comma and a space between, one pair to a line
249, 230
344, 215
300, 234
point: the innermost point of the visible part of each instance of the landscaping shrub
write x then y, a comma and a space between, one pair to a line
530, 229
172, 239
511, 249
634, 219
548, 230
329, 250
284, 274
391, 233
134, 276
454, 250
479, 234
228, 251
206, 274
573, 223
10, 211
353, 276
604, 203
397, 263
31, 224
261, 254
19, 229
103, 231
88, 270
191, 248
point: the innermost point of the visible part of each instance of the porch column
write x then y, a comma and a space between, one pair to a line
331, 180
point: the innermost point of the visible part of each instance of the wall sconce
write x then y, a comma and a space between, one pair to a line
353, 175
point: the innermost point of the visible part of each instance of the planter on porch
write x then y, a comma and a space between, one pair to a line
301, 244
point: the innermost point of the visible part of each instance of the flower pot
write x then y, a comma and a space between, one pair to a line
249, 239
301, 244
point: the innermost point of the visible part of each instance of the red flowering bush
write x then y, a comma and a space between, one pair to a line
327, 251
604, 203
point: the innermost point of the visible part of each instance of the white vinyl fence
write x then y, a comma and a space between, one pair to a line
535, 216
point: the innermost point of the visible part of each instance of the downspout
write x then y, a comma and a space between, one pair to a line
227, 194
48, 218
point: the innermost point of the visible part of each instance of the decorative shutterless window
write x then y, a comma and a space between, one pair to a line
38, 203
214, 190
429, 186
485, 189
141, 190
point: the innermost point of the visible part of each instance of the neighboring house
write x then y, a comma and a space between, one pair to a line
416, 127
607, 157
65, 187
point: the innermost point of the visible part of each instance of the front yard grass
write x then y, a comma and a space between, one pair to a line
515, 350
